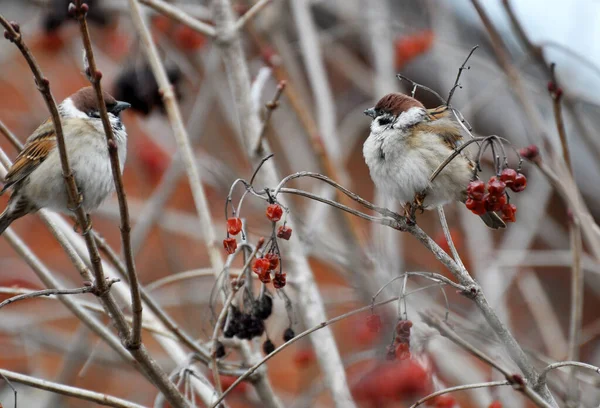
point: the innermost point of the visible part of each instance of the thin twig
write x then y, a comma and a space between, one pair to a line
448, 236
545, 371
250, 14
459, 388
49, 292
79, 393
458, 75
95, 77
10, 136
180, 16
271, 106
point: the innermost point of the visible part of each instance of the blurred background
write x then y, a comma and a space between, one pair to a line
319, 126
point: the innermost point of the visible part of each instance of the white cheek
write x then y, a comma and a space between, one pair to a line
68, 110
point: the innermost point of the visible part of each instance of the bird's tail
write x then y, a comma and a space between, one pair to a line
493, 220
6, 218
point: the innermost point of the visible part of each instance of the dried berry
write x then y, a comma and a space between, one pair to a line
519, 184
265, 277
508, 176
284, 232
220, 350
261, 266
495, 404
509, 212
374, 323
476, 189
288, 334
279, 280
268, 346
274, 259
494, 202
476, 207
496, 187
263, 307
230, 245
274, 212
234, 225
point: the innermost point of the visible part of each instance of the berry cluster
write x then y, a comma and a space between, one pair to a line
400, 347
248, 325
496, 198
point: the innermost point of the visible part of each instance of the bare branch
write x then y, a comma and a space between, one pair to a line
250, 14
95, 77
181, 16
459, 388
49, 292
79, 393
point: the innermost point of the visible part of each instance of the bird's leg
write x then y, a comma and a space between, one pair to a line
409, 213
419, 199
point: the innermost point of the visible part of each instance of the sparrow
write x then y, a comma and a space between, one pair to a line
406, 145
35, 177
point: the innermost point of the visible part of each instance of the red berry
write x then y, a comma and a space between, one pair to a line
279, 280
476, 207
530, 152
304, 358
188, 39
443, 401
284, 232
403, 351
274, 212
234, 225
496, 187
495, 404
274, 259
508, 176
494, 202
509, 212
374, 323
261, 266
519, 184
230, 245
476, 189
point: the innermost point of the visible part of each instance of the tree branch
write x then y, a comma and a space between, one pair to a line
79, 393
95, 76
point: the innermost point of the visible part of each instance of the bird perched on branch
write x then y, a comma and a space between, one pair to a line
36, 177
406, 145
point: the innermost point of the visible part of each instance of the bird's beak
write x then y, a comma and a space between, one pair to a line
370, 112
121, 106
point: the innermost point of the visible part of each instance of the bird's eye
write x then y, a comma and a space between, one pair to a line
110, 107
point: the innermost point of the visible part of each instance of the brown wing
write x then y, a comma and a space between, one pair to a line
439, 123
35, 151
438, 113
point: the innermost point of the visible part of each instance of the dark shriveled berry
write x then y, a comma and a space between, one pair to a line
288, 334
220, 350
268, 347
263, 307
